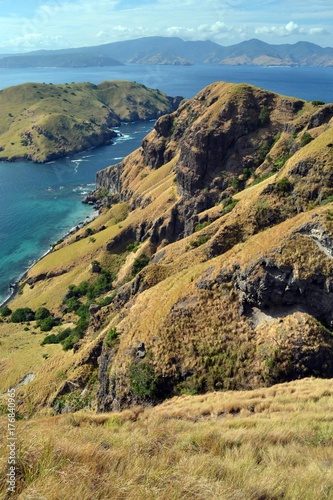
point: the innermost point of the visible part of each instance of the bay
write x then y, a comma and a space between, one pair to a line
40, 203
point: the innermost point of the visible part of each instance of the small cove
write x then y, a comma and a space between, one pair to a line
41, 203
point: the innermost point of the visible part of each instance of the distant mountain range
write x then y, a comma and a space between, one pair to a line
175, 51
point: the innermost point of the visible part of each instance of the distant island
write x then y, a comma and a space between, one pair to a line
175, 51
42, 122
77, 60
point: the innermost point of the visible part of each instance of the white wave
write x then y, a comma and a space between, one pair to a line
124, 137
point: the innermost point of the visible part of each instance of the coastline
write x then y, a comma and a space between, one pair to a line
15, 286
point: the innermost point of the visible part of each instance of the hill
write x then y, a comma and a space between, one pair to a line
41, 122
208, 271
173, 50
77, 60
267, 443
209, 268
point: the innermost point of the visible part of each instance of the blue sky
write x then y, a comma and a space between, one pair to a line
52, 24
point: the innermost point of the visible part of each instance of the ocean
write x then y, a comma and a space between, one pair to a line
41, 203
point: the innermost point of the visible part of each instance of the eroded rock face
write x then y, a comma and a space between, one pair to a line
110, 179
323, 115
269, 285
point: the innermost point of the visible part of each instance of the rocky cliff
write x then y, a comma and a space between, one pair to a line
210, 266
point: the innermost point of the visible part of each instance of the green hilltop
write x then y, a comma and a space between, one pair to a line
41, 122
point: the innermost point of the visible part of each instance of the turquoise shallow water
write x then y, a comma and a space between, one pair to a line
40, 203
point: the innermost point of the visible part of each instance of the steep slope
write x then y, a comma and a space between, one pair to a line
210, 266
41, 122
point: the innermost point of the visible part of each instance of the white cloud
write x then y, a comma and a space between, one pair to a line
290, 29
318, 31
30, 41
82, 23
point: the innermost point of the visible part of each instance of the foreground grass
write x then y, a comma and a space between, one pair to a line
265, 444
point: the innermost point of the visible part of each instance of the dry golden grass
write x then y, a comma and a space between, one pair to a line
270, 443
21, 352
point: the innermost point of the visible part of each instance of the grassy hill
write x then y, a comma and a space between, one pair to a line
267, 443
209, 269
41, 122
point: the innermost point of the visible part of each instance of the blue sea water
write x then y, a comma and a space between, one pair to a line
40, 203
305, 82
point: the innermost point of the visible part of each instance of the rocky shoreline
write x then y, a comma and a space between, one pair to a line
14, 287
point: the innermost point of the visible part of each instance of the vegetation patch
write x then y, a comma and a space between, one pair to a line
228, 205
144, 381
139, 263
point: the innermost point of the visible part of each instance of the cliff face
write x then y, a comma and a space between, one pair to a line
219, 238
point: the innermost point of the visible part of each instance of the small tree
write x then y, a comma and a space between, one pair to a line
42, 313
21, 315
143, 379
139, 263
264, 116
305, 139
5, 311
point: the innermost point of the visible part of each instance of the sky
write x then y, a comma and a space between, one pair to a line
27, 25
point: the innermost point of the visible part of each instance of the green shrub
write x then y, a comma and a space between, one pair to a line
264, 150
22, 314
132, 247
102, 284
200, 241
111, 337
234, 182
72, 304
305, 139
139, 263
228, 204
70, 341
63, 334
143, 380
262, 178
264, 116
284, 185
47, 324
279, 162
56, 339
5, 311
50, 339
70, 337
317, 103
42, 313
106, 300
247, 172
202, 225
